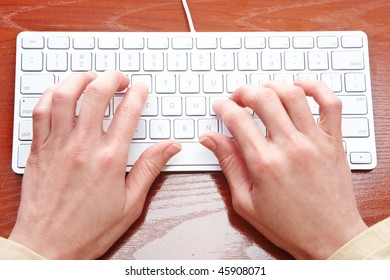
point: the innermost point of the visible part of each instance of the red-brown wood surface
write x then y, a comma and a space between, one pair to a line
189, 215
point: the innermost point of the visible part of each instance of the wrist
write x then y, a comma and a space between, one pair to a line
329, 242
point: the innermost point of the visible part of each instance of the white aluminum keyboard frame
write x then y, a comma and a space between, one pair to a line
356, 148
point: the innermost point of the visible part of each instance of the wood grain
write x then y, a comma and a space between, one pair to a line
189, 215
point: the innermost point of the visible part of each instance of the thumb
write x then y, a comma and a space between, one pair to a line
233, 166
148, 167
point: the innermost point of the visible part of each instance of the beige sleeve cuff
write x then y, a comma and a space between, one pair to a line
10, 250
373, 243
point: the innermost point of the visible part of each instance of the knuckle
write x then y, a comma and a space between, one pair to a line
40, 112
77, 155
108, 158
238, 206
296, 93
149, 167
265, 96
60, 96
236, 115
335, 104
128, 110
98, 91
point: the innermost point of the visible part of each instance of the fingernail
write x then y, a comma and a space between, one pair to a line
208, 143
172, 150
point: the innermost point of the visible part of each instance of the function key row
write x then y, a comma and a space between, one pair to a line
250, 42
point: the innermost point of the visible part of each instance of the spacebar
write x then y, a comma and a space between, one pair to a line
191, 154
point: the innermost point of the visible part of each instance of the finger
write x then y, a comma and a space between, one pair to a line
97, 96
295, 102
148, 167
330, 106
64, 102
127, 114
42, 118
267, 105
233, 166
243, 128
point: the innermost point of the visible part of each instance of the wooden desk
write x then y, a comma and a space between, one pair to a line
189, 215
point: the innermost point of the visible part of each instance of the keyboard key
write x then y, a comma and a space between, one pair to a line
105, 61
81, 61
150, 107
146, 79
314, 107
158, 43
58, 42
32, 61
307, 76
255, 42
193, 154
201, 61
213, 83
294, 60
140, 130
154, 61
177, 61
57, 61
248, 61
207, 125
351, 42
212, 100
355, 82
224, 61
25, 130
303, 42
184, 129
171, 106
84, 43
361, 158
165, 83
206, 43
225, 131
259, 79
160, 129
23, 153
327, 42
355, 127
271, 61
281, 42
347, 60
27, 106
182, 43
33, 42
129, 61
196, 106
108, 43
318, 60
36, 84
189, 83
133, 43
354, 105
230, 43
333, 81
234, 81
286, 78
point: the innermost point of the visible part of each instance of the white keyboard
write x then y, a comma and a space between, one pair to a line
187, 72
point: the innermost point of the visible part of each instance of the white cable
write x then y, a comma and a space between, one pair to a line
188, 13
